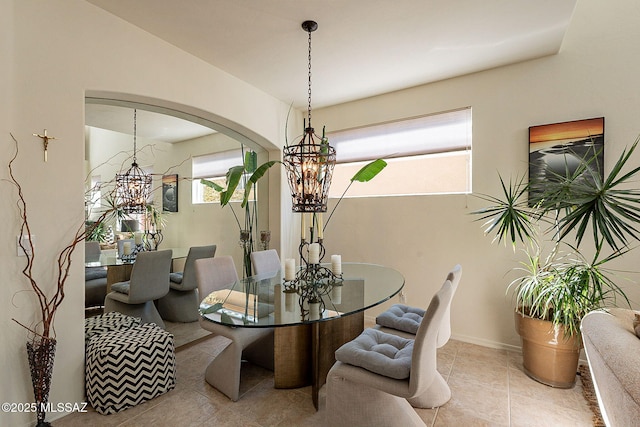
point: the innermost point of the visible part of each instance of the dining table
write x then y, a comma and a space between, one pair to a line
119, 268
304, 340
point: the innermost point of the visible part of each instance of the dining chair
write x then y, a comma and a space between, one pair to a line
95, 278
182, 301
252, 344
149, 281
266, 261
378, 377
404, 320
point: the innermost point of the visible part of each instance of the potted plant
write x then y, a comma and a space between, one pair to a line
558, 284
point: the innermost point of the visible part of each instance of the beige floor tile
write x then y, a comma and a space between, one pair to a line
528, 412
472, 400
520, 385
488, 388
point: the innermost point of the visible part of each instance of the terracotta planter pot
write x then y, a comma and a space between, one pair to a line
548, 356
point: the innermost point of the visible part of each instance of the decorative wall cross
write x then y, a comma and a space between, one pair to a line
45, 140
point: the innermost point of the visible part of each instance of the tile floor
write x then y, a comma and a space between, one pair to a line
488, 389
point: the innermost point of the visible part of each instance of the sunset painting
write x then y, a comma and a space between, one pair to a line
559, 148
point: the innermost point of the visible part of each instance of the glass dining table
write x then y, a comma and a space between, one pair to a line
304, 344
119, 270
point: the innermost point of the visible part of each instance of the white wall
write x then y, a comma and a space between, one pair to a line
594, 75
53, 54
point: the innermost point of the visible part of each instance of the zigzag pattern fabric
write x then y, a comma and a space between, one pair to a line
112, 321
128, 367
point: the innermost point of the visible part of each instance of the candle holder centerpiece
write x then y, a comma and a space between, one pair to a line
313, 283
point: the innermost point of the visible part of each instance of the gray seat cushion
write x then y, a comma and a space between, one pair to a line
379, 352
176, 277
92, 273
122, 287
402, 318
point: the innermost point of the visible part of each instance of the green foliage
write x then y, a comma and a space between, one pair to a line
563, 287
369, 171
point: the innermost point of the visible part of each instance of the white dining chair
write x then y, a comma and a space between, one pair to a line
378, 377
252, 344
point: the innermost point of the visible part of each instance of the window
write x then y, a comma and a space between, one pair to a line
425, 155
214, 167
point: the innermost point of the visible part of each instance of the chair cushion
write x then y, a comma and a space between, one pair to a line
402, 318
379, 352
92, 273
176, 277
122, 287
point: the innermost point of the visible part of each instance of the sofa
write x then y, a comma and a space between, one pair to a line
612, 347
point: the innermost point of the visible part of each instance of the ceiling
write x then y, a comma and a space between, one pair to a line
362, 48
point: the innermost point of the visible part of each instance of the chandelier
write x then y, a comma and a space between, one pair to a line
309, 164
134, 186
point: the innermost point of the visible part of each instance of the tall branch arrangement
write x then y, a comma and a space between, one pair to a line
48, 303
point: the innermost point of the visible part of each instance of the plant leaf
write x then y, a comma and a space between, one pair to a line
259, 173
211, 184
369, 171
233, 179
250, 161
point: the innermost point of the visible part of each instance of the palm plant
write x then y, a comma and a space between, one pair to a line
564, 285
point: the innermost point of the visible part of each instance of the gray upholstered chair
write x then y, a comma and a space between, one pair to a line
182, 301
95, 278
379, 377
265, 261
149, 281
404, 320
252, 344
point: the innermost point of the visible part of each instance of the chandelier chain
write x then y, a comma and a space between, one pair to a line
135, 125
309, 92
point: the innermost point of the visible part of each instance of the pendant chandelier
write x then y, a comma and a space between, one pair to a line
309, 164
134, 186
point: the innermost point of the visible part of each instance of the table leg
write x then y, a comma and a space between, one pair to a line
118, 273
292, 356
327, 337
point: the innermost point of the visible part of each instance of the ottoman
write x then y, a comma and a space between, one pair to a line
112, 321
130, 366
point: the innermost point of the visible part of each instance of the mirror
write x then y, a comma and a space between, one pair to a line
168, 145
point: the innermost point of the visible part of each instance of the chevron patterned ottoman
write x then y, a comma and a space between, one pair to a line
112, 321
127, 367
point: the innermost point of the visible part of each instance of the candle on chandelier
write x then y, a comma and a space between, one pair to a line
320, 226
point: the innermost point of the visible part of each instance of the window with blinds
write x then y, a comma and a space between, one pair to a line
214, 167
425, 155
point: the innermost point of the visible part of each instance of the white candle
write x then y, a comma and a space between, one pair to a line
336, 264
126, 248
138, 238
314, 311
314, 253
289, 301
303, 227
320, 226
336, 294
289, 269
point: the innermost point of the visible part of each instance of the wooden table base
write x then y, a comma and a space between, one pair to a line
304, 354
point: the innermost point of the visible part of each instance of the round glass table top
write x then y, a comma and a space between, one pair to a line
267, 300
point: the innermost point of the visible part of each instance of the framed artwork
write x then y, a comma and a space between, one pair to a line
170, 193
559, 148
